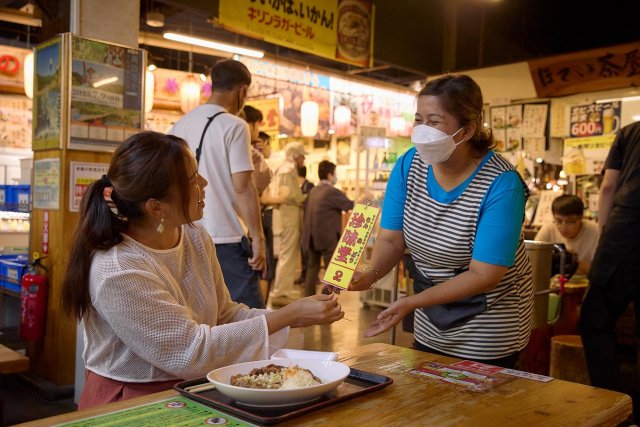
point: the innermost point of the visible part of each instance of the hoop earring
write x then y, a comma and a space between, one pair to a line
160, 228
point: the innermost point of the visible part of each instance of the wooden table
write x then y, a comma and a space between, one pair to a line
414, 401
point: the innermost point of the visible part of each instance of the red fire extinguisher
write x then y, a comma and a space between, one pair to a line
33, 301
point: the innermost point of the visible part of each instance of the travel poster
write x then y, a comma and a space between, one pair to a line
106, 94
47, 95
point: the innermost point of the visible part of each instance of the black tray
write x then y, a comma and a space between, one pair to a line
357, 383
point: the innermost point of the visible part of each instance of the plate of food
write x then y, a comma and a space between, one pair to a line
277, 383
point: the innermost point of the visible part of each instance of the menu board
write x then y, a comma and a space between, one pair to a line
517, 125
15, 121
106, 94
595, 119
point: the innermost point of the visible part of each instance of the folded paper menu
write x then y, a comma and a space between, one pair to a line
351, 246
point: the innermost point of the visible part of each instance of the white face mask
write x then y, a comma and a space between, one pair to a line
433, 145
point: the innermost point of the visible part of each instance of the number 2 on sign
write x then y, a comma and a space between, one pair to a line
338, 276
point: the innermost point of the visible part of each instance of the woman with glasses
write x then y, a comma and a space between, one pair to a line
578, 235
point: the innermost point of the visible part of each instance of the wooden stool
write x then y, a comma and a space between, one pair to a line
568, 361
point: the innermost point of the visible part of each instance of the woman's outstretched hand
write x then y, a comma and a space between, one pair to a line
389, 317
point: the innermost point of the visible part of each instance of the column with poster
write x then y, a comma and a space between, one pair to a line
88, 100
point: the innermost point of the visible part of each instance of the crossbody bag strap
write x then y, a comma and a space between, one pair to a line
209, 120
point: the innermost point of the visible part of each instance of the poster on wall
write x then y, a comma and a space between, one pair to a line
594, 119
161, 121
534, 120
46, 184
499, 127
47, 95
514, 128
106, 94
15, 121
341, 30
586, 155
270, 109
82, 175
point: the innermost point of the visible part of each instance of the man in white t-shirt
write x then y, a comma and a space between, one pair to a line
225, 161
578, 235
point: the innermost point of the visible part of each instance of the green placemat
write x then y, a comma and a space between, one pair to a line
177, 411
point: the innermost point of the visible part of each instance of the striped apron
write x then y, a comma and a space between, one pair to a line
441, 240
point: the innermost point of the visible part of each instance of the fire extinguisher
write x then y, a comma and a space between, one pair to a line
33, 301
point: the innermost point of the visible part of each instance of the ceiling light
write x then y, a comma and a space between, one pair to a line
105, 81
155, 19
182, 38
623, 99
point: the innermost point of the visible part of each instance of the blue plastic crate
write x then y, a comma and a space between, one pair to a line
10, 286
18, 198
12, 269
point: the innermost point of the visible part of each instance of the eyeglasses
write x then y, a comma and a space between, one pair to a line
566, 221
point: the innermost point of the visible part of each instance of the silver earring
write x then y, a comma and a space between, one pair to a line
160, 228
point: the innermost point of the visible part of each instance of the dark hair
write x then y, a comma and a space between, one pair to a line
461, 97
302, 171
264, 137
567, 205
325, 168
148, 165
229, 73
251, 114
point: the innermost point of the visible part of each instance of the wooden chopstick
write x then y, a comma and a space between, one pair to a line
200, 387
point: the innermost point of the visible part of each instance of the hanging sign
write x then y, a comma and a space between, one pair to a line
587, 71
351, 246
341, 30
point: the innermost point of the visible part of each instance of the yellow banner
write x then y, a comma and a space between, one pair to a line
586, 155
341, 30
351, 246
270, 108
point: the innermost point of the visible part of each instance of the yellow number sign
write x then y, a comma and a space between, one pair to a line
351, 245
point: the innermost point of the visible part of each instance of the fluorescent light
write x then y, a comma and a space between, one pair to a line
213, 45
105, 81
623, 99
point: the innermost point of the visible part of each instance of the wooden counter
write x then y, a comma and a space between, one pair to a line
414, 401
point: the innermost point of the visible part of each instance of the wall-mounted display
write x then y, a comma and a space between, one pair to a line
106, 100
48, 94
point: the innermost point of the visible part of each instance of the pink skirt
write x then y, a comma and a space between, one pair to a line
99, 390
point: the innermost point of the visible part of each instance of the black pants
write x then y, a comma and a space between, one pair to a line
603, 305
509, 362
313, 267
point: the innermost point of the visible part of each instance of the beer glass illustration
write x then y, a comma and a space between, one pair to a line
610, 122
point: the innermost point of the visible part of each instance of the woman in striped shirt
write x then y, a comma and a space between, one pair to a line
458, 207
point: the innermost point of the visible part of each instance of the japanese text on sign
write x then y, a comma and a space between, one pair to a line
592, 70
351, 246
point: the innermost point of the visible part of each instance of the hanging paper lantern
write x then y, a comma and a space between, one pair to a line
189, 93
309, 116
149, 87
397, 126
341, 120
28, 75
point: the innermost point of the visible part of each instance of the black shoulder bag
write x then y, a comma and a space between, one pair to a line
209, 120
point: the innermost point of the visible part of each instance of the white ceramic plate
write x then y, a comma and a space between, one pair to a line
331, 373
288, 353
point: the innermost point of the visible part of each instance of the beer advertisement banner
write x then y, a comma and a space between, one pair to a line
341, 30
